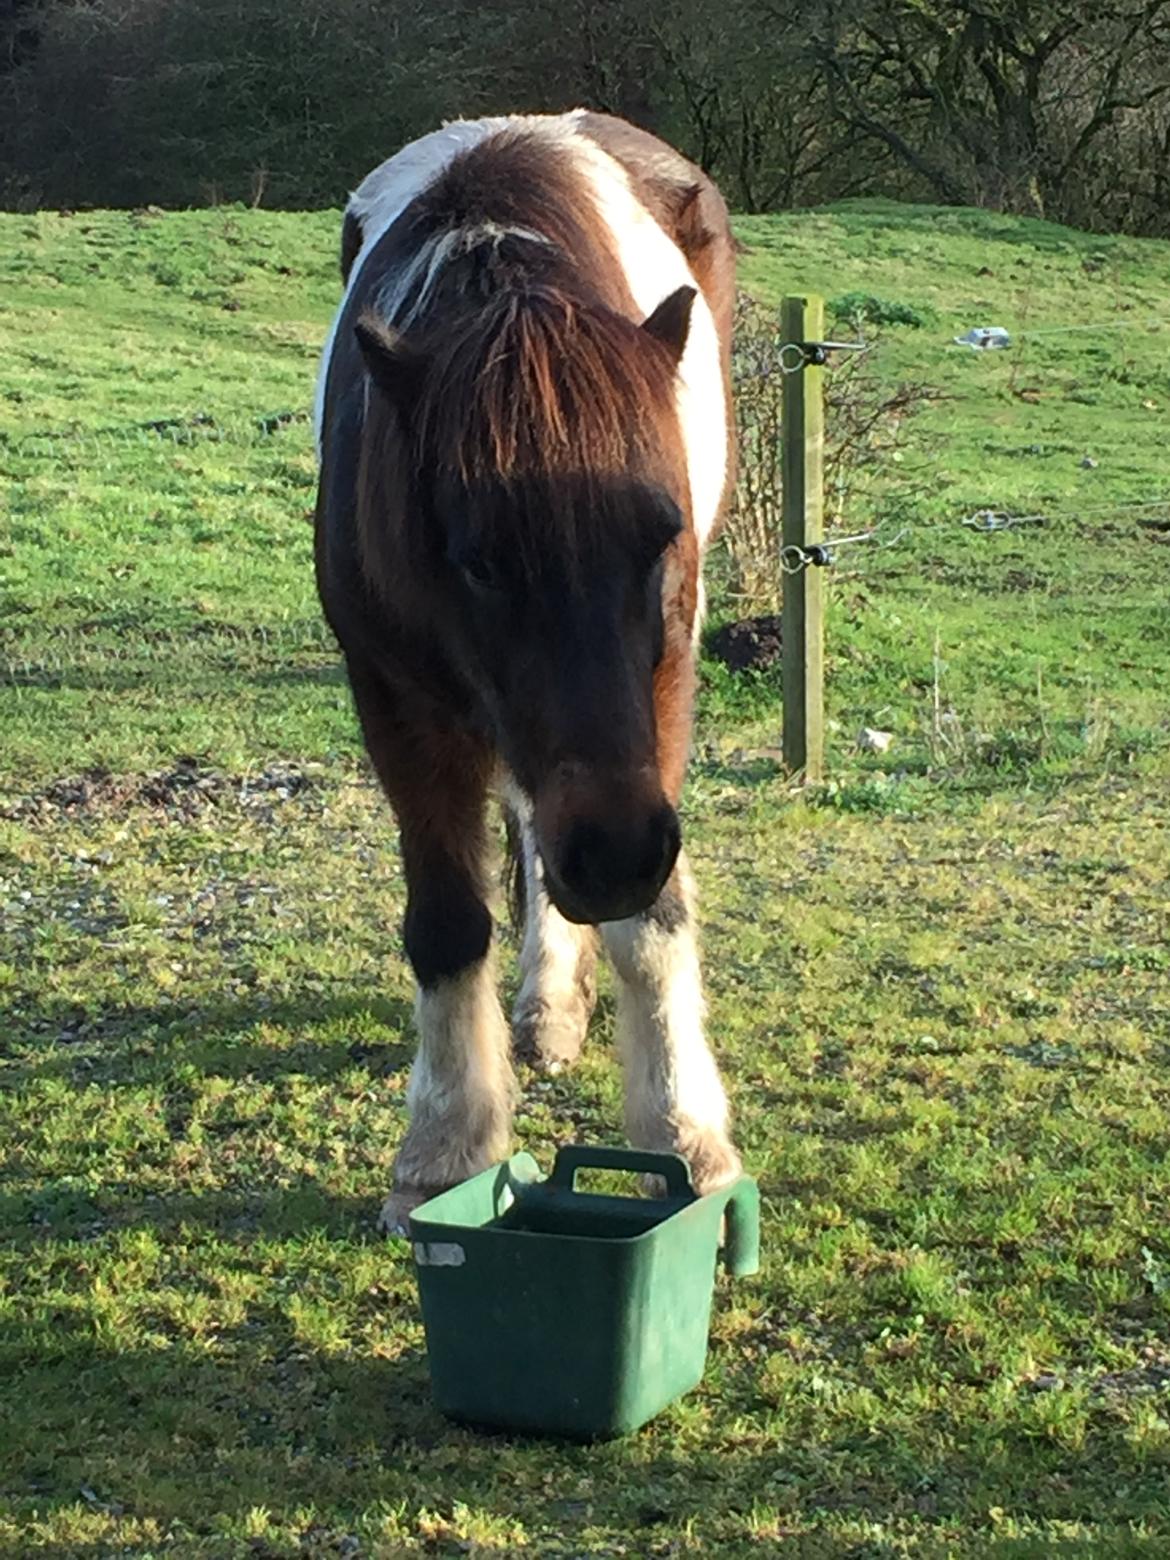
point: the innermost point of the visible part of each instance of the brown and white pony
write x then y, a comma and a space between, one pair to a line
523, 420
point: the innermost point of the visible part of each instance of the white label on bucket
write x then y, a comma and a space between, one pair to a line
439, 1253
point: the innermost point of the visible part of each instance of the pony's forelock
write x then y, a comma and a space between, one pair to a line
540, 384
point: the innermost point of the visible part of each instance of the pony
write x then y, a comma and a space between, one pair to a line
524, 433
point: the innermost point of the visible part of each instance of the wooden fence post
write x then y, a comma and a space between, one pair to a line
802, 476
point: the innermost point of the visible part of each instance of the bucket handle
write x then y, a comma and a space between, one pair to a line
673, 1168
741, 1211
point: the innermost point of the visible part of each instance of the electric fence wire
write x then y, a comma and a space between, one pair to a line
793, 357
823, 554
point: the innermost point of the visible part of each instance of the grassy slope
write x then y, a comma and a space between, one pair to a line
940, 994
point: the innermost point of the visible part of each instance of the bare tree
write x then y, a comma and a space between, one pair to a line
993, 102
1052, 107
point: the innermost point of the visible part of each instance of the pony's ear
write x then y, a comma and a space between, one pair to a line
688, 221
391, 361
671, 321
351, 243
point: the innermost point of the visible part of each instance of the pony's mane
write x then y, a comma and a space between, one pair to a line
533, 386
538, 384
534, 368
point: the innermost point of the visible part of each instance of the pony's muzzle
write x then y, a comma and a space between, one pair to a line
609, 868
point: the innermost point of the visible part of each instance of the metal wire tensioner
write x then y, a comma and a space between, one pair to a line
997, 520
820, 555
795, 355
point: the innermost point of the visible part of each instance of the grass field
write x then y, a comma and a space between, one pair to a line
939, 987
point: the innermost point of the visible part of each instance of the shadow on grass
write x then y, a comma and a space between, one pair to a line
202, 1434
745, 769
332, 676
58, 1213
253, 1415
159, 1410
117, 674
123, 1046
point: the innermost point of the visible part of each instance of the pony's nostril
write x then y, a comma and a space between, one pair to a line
619, 866
665, 843
582, 860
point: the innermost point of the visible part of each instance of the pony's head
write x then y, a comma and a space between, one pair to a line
529, 466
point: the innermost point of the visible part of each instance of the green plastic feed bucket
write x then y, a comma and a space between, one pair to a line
571, 1313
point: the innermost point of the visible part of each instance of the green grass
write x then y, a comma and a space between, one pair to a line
939, 987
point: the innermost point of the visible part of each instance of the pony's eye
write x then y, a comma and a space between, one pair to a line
478, 573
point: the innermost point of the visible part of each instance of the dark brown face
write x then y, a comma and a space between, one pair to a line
561, 627
547, 590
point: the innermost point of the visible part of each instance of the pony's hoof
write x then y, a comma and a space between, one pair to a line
549, 1042
712, 1160
714, 1163
394, 1219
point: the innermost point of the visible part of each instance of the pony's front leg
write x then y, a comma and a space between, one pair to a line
558, 962
460, 1093
673, 1093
